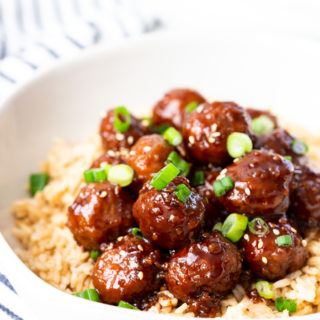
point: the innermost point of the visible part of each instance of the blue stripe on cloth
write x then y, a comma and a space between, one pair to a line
28, 63
49, 50
6, 77
6, 282
74, 42
9, 312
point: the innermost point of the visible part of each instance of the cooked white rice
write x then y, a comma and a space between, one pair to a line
48, 247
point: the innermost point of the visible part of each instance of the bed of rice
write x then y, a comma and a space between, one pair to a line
49, 249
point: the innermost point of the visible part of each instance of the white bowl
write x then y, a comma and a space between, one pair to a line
67, 100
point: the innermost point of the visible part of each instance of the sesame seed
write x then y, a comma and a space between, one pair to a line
146, 148
276, 231
132, 153
119, 238
119, 136
236, 160
224, 171
214, 127
103, 164
293, 230
246, 237
130, 139
145, 123
124, 152
212, 140
140, 275
247, 191
304, 242
210, 165
191, 139
216, 134
199, 109
264, 260
103, 194
122, 253
260, 244
111, 153
140, 247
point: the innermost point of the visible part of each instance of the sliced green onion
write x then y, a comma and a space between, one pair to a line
181, 164
191, 106
88, 176
217, 226
121, 174
238, 144
258, 226
222, 186
262, 124
99, 174
289, 158
163, 177
118, 124
137, 233
94, 254
265, 289
285, 304
299, 147
173, 136
89, 294
182, 192
234, 226
161, 128
126, 305
283, 241
197, 178
37, 182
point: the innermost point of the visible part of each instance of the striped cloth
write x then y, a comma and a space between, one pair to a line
36, 33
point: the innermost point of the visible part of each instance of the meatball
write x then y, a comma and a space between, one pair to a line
147, 157
261, 184
164, 219
266, 258
255, 113
107, 158
207, 268
279, 141
115, 140
305, 196
212, 213
207, 128
101, 212
127, 270
171, 108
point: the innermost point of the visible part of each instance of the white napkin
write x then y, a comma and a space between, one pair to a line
37, 33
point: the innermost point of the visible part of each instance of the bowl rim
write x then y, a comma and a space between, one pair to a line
65, 63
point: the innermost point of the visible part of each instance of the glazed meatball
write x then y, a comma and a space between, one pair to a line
305, 196
101, 212
255, 113
208, 267
171, 108
261, 184
147, 157
164, 219
127, 270
212, 213
115, 140
207, 128
265, 257
106, 158
279, 141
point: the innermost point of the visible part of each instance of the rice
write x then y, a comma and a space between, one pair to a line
49, 250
